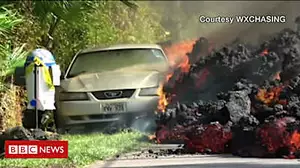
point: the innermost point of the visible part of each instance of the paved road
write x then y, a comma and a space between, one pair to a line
145, 159
229, 166
206, 161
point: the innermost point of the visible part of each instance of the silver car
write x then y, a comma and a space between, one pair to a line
103, 85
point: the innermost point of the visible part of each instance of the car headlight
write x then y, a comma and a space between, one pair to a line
149, 91
72, 96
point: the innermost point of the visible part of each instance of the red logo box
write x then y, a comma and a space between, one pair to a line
36, 149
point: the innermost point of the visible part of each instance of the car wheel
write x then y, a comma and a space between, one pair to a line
59, 123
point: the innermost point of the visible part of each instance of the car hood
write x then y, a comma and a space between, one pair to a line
126, 78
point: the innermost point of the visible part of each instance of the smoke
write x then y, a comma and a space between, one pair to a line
181, 19
145, 124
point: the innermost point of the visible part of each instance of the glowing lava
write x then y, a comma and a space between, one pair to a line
295, 141
269, 96
274, 135
213, 137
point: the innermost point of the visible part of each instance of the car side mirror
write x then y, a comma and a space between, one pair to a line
19, 76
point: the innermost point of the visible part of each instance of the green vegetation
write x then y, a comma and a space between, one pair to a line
84, 150
64, 28
9, 57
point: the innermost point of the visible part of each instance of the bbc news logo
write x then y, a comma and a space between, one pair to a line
36, 149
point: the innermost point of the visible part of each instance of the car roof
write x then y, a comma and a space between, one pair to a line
121, 46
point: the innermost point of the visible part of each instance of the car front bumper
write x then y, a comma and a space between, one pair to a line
88, 112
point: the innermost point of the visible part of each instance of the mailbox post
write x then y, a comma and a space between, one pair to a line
42, 75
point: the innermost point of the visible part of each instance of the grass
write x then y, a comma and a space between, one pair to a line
84, 150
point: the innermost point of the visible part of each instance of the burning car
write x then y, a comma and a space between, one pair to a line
111, 84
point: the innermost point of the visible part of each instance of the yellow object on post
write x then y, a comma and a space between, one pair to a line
46, 74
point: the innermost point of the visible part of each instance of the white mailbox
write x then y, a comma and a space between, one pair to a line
42, 75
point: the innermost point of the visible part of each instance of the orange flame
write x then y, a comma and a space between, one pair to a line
177, 56
269, 96
152, 137
162, 102
184, 65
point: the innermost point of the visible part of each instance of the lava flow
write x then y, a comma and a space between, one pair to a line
237, 99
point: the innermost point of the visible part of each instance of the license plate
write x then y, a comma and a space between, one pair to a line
114, 107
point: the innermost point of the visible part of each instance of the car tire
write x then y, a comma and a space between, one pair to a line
59, 123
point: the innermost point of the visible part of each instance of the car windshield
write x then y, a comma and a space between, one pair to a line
111, 60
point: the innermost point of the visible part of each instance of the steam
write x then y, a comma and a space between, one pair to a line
180, 18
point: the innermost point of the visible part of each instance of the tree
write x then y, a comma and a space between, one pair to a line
51, 13
70, 12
